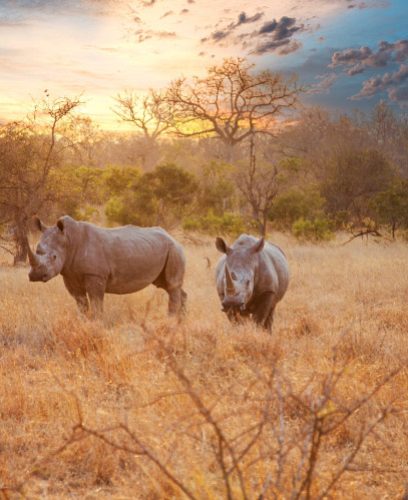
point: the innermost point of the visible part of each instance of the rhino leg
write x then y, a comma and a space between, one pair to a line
177, 301
269, 320
171, 279
79, 294
95, 288
264, 309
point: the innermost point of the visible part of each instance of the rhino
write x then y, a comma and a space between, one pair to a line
95, 260
251, 277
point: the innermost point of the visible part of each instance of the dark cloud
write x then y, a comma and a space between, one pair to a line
268, 27
243, 19
218, 35
357, 60
184, 11
277, 36
388, 81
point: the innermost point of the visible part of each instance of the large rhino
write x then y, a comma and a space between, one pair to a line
94, 260
252, 277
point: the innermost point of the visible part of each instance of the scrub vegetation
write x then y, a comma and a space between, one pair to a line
138, 406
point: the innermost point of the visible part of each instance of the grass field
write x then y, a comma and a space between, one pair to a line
138, 406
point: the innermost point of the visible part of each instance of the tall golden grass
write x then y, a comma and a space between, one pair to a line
141, 406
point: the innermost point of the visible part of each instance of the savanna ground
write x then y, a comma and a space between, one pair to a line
138, 406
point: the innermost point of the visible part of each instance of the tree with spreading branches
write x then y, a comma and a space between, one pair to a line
231, 103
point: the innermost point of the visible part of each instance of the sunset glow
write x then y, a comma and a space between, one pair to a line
98, 48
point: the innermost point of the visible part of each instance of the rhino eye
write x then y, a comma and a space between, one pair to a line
247, 282
54, 257
233, 276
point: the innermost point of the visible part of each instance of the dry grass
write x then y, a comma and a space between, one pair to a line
128, 407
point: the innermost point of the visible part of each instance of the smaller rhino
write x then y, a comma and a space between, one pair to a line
252, 277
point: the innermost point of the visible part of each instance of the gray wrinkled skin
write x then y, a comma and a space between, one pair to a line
252, 277
94, 261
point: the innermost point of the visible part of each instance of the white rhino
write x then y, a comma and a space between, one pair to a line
94, 260
252, 277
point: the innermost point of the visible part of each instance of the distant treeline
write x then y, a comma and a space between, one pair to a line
211, 156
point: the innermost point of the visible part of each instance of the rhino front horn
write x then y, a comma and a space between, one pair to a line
230, 283
31, 256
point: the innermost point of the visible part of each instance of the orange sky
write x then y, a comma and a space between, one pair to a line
98, 48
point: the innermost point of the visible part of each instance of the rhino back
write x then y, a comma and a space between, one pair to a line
129, 258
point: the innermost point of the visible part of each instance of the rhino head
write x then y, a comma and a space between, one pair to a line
240, 271
49, 258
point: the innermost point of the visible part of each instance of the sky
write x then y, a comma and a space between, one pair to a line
347, 53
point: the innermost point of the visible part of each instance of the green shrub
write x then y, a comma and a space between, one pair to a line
294, 205
210, 223
318, 229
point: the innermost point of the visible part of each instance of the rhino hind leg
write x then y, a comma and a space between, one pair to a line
177, 300
82, 303
171, 280
95, 288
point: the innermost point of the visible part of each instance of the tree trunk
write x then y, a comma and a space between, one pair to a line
20, 242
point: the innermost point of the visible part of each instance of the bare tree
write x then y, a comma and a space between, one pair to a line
149, 115
259, 184
29, 151
231, 103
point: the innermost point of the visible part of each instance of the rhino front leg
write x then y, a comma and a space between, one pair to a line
79, 294
95, 288
264, 309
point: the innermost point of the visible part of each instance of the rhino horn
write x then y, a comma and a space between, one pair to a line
230, 283
31, 256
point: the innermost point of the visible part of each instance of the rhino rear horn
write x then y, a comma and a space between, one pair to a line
39, 225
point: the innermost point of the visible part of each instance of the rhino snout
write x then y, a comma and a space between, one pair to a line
38, 276
233, 303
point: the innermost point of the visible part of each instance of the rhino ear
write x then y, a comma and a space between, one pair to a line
60, 225
65, 222
38, 224
258, 245
221, 245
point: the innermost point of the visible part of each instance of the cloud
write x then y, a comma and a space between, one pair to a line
276, 36
166, 14
292, 46
388, 81
357, 60
379, 4
243, 18
399, 95
143, 35
324, 85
